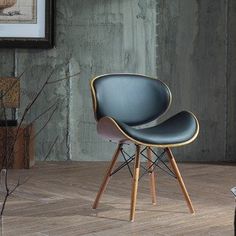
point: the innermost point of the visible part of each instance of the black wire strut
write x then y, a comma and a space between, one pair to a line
127, 161
159, 159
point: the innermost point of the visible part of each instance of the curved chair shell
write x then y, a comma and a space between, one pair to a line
110, 130
130, 98
179, 130
122, 101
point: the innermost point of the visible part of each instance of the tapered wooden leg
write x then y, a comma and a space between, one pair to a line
151, 177
135, 183
107, 176
180, 180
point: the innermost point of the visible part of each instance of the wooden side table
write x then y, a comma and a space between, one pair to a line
23, 154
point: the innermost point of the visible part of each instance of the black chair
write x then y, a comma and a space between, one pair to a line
123, 101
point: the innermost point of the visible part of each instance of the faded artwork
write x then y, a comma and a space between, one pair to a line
18, 11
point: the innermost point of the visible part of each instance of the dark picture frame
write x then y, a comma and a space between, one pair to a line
35, 42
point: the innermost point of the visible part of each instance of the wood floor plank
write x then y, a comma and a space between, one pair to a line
58, 197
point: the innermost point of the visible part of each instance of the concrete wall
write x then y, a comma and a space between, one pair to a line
231, 83
92, 37
108, 36
195, 56
197, 60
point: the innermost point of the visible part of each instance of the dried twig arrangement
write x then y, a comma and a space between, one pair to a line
9, 153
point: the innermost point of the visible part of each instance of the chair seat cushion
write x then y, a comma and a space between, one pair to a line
178, 129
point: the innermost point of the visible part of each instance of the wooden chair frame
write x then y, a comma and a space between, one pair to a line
135, 181
109, 128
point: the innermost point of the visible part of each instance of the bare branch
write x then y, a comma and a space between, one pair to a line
19, 184
4, 203
67, 77
8, 193
43, 113
6, 154
50, 117
49, 152
8, 157
27, 109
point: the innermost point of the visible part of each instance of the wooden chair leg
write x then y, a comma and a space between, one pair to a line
135, 183
180, 180
107, 176
152, 177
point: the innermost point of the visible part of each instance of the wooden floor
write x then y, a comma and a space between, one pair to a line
57, 200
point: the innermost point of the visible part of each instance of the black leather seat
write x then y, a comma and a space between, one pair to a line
123, 101
177, 130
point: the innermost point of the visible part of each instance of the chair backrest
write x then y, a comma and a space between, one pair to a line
129, 98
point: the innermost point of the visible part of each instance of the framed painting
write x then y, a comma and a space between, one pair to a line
27, 23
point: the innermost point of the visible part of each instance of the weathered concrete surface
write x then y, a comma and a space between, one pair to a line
7, 62
92, 37
195, 57
37, 66
108, 36
194, 61
231, 83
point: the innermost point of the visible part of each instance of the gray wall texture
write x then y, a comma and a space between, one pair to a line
189, 44
92, 37
196, 58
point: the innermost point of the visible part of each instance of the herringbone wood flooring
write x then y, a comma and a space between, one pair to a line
57, 200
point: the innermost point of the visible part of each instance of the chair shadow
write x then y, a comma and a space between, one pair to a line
72, 207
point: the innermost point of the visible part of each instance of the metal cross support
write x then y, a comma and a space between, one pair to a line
156, 163
125, 163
